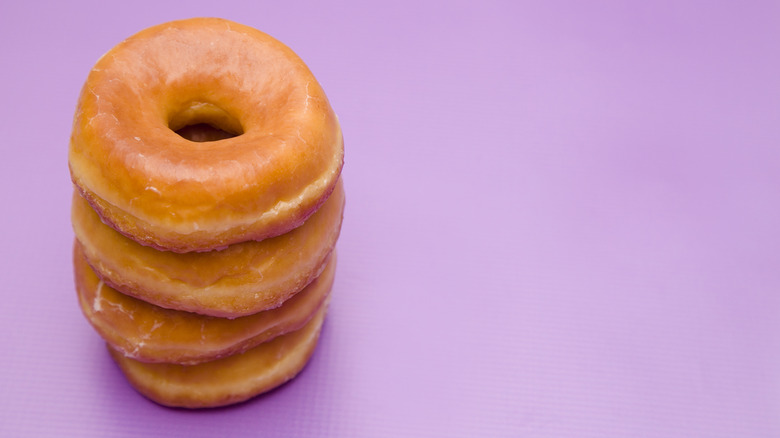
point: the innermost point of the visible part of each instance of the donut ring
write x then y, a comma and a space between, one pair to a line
168, 192
148, 333
243, 279
229, 380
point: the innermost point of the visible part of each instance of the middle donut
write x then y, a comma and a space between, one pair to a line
148, 333
241, 280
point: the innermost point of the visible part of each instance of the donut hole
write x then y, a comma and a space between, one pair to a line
203, 132
203, 122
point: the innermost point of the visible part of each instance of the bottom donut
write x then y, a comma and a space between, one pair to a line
228, 380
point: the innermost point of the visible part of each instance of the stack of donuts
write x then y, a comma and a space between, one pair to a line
206, 163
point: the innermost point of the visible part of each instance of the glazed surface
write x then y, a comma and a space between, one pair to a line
148, 333
165, 191
229, 380
242, 279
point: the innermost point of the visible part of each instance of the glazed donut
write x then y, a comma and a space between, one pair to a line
148, 333
229, 380
243, 279
282, 159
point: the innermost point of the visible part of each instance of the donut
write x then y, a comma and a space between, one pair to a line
243, 279
278, 158
148, 333
225, 381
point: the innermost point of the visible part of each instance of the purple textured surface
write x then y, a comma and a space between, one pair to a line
562, 220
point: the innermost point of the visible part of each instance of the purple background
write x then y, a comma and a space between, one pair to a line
562, 221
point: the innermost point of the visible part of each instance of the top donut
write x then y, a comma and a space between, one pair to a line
275, 158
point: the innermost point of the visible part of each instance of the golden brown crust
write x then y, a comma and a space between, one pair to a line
243, 279
148, 333
229, 380
171, 193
